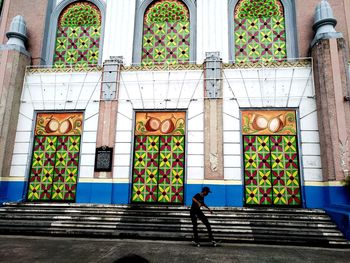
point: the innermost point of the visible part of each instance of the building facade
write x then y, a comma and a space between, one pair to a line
145, 102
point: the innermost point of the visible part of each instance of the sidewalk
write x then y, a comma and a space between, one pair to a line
58, 249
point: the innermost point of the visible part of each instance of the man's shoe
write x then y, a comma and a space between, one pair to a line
196, 244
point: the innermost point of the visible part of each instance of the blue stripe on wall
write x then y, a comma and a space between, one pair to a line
222, 195
119, 193
323, 196
12, 191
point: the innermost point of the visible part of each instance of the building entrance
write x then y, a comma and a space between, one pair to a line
54, 169
159, 158
271, 163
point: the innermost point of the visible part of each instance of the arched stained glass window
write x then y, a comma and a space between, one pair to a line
166, 33
78, 36
259, 31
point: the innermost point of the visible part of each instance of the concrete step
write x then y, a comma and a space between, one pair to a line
170, 220
263, 225
175, 214
164, 232
170, 227
161, 207
241, 238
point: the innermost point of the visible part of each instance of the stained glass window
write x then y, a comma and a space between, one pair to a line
78, 36
55, 159
259, 31
159, 158
270, 154
166, 33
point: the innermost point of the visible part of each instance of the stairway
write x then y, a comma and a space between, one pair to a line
311, 227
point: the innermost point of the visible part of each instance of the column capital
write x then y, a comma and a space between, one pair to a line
212, 68
324, 23
17, 36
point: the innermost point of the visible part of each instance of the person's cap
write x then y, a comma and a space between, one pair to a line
206, 189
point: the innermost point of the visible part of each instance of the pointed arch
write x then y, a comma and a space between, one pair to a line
262, 30
164, 32
76, 34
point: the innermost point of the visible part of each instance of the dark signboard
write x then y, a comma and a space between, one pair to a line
103, 159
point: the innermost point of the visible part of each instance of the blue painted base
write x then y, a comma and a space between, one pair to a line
103, 193
222, 195
12, 191
325, 196
340, 214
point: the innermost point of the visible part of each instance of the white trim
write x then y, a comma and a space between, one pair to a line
215, 182
323, 184
13, 179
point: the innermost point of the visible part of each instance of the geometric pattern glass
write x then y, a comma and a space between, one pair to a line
166, 33
271, 170
158, 169
54, 168
78, 36
259, 31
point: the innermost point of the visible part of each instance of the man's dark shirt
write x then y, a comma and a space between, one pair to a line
195, 206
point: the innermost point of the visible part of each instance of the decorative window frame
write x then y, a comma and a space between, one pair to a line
290, 27
141, 7
53, 27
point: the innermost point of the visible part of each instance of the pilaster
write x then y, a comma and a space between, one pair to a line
107, 121
13, 62
213, 117
332, 90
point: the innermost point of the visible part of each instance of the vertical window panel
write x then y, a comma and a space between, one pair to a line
166, 33
55, 162
78, 36
259, 31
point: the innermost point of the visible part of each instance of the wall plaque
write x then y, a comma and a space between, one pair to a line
103, 159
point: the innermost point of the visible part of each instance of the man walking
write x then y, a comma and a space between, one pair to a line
196, 212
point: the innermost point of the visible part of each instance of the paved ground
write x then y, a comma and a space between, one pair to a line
53, 249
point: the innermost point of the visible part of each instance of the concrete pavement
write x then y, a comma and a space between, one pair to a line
59, 249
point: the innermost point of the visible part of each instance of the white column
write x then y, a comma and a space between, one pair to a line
212, 28
119, 31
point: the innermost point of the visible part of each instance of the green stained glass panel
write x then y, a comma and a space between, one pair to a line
171, 169
158, 169
166, 34
66, 168
167, 42
42, 170
257, 170
285, 170
145, 171
54, 168
259, 31
78, 36
271, 170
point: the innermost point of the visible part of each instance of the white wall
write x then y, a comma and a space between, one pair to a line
119, 31
57, 91
147, 90
212, 28
271, 88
